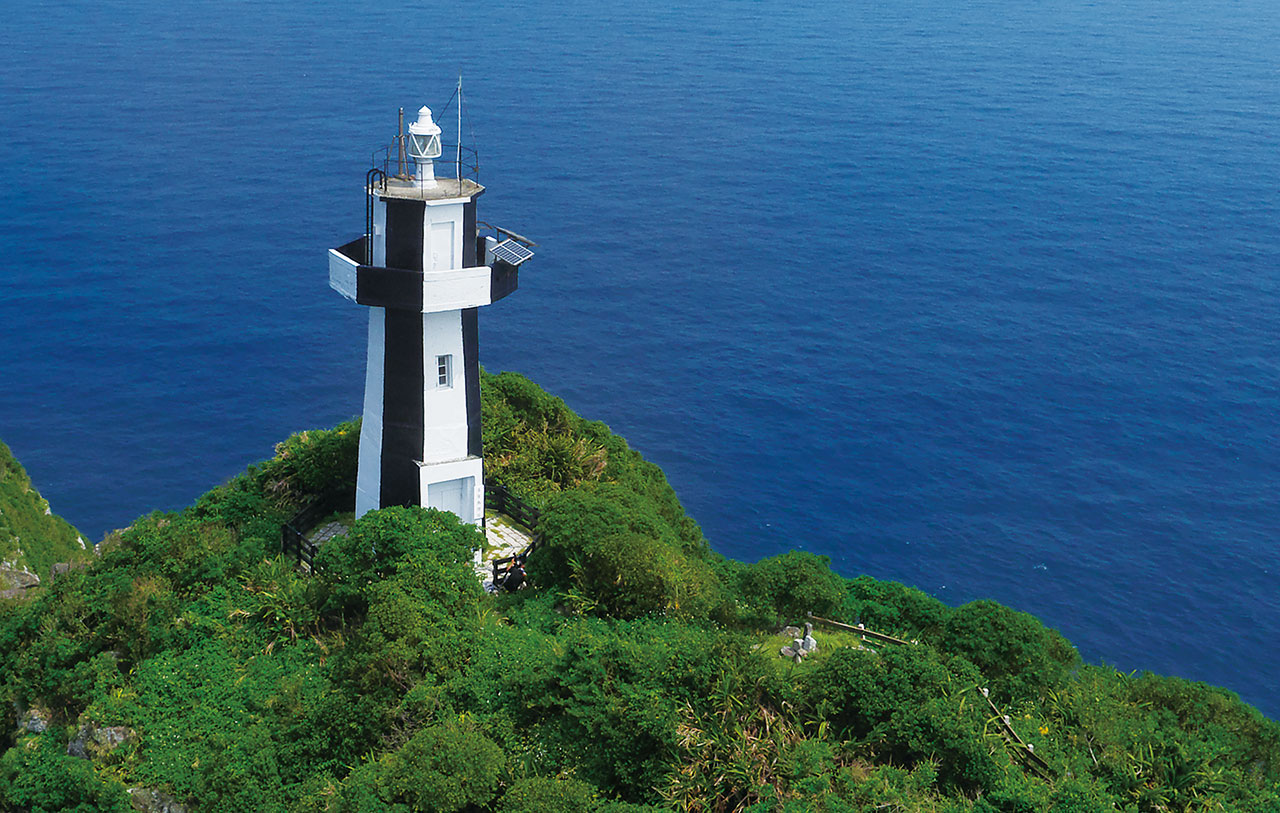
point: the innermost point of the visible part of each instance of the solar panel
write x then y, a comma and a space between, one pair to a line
511, 252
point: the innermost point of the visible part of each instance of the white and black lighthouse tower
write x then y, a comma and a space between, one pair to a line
424, 269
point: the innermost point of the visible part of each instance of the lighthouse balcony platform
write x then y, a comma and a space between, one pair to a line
427, 292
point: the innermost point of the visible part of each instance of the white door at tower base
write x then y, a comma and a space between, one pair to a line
453, 495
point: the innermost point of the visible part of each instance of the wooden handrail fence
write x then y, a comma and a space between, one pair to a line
1033, 761
861, 630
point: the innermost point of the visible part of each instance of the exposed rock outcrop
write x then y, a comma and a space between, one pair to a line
32, 537
146, 800
92, 742
34, 720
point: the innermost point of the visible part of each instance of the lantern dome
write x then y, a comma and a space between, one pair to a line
424, 137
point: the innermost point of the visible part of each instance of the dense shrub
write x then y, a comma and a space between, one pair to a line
577, 520
444, 768
316, 461
38, 776
894, 608
791, 585
531, 439
541, 795
379, 543
629, 575
910, 701
1019, 656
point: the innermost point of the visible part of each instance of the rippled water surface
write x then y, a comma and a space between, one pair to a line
982, 297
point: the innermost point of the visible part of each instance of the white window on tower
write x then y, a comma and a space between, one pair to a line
444, 372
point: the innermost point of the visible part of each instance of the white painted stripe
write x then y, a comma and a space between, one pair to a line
369, 473
444, 408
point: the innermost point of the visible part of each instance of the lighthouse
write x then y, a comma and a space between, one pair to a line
424, 267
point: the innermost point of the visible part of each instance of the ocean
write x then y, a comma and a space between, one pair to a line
981, 297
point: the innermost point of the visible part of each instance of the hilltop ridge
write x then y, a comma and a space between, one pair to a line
193, 668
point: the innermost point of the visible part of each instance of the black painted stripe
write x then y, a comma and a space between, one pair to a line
504, 279
471, 366
389, 288
402, 382
469, 234
402, 409
404, 233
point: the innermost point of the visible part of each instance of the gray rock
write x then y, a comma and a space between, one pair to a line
146, 800
795, 651
62, 568
91, 741
112, 736
78, 747
12, 578
35, 721
790, 632
810, 643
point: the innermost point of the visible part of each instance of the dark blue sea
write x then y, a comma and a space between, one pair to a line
979, 296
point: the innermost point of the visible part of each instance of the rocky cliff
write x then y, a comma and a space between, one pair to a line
32, 537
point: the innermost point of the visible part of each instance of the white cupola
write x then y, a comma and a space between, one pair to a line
424, 145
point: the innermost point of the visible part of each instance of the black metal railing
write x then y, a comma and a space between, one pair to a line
293, 534
388, 162
372, 177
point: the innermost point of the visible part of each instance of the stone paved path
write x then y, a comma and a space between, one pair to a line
326, 532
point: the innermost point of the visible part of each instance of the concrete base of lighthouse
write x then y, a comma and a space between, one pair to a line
456, 486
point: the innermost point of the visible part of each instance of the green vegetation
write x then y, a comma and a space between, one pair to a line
639, 673
31, 538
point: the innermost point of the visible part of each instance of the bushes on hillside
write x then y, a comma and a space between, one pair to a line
629, 575
894, 608
315, 461
37, 775
910, 702
1019, 656
639, 670
791, 585
408, 573
532, 441
543, 795
377, 545
29, 537
444, 768
613, 557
